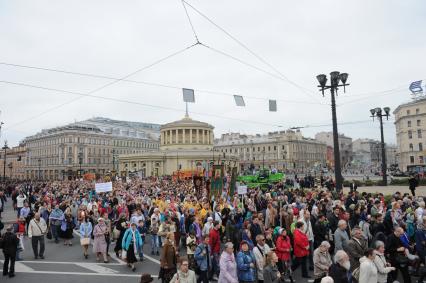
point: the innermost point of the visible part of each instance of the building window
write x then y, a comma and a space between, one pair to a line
411, 147
417, 110
419, 133
418, 122
420, 146
408, 112
411, 159
258, 148
70, 160
409, 124
410, 134
275, 147
421, 159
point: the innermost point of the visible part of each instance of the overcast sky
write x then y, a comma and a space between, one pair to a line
381, 44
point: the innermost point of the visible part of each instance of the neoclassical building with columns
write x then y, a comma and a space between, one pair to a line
185, 145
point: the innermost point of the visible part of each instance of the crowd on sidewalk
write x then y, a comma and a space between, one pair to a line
265, 235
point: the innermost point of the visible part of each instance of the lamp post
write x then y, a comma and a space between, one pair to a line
80, 160
39, 164
5, 148
379, 113
113, 162
335, 78
263, 159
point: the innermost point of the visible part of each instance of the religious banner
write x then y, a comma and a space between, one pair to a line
233, 181
103, 187
198, 186
216, 185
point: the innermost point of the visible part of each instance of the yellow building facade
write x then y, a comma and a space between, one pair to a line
185, 145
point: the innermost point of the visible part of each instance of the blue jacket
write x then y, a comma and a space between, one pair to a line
245, 272
420, 237
85, 229
127, 239
202, 259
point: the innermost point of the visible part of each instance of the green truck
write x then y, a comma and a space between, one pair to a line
263, 178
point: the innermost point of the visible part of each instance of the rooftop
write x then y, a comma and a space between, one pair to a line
186, 122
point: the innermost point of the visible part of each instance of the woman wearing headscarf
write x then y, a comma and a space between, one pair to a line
228, 265
121, 227
100, 244
168, 258
131, 243
67, 227
85, 232
55, 219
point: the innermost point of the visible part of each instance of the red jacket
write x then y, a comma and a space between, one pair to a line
300, 243
214, 240
283, 247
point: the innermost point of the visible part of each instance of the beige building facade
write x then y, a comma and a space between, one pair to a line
90, 146
410, 124
15, 162
185, 145
345, 146
284, 150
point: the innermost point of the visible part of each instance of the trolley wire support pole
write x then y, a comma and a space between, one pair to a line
5, 148
377, 112
335, 79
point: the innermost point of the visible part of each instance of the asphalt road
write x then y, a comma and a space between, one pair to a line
66, 264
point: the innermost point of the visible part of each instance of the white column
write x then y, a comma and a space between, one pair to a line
190, 136
183, 136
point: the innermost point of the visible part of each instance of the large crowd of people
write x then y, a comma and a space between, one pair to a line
266, 235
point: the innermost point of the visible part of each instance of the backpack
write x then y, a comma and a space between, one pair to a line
355, 273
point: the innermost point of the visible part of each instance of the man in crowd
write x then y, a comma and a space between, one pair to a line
10, 244
36, 231
356, 247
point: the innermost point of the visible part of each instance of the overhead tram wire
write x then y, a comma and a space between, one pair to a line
365, 94
170, 108
135, 103
368, 97
190, 22
116, 80
307, 91
151, 83
247, 64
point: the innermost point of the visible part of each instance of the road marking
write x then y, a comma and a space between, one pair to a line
122, 261
63, 262
152, 259
81, 273
22, 267
97, 268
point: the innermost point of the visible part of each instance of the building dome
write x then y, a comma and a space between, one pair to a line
186, 134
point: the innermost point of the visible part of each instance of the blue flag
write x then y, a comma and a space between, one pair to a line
416, 87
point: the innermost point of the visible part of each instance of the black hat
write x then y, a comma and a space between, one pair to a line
146, 278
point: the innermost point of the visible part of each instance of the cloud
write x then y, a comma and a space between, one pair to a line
377, 42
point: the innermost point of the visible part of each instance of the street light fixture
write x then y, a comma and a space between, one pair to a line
335, 79
39, 164
5, 148
80, 160
377, 112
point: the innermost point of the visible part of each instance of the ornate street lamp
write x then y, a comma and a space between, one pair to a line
337, 80
379, 113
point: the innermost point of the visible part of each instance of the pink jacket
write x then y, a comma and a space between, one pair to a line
228, 268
